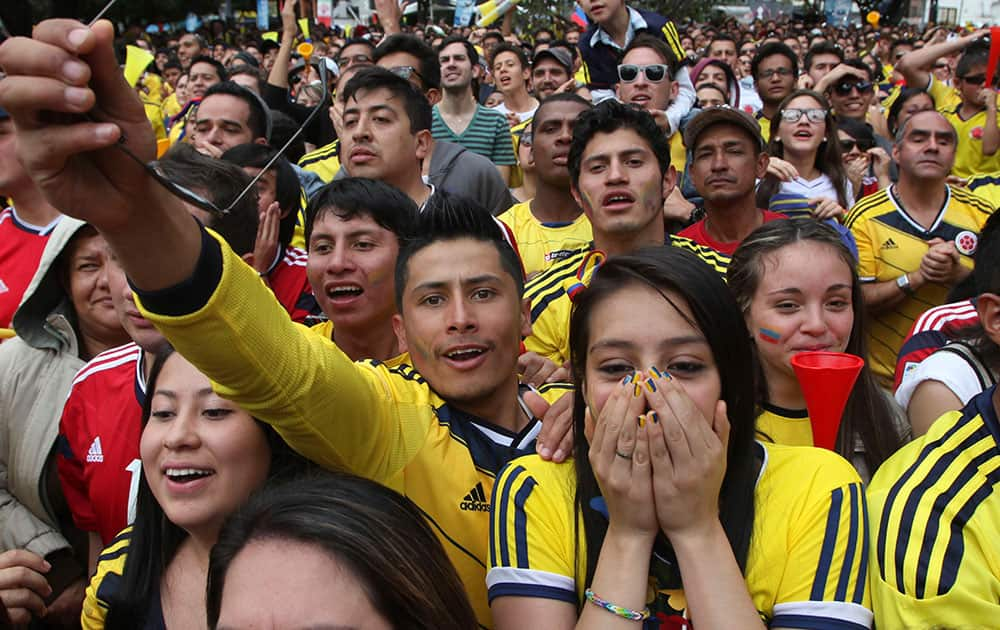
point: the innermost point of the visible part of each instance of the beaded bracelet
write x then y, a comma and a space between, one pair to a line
614, 609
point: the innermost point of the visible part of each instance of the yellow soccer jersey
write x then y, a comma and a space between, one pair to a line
945, 97
806, 566
170, 107
324, 161
988, 187
969, 157
153, 115
106, 583
790, 427
543, 244
551, 304
678, 154
890, 243
765, 126
934, 521
325, 329
380, 422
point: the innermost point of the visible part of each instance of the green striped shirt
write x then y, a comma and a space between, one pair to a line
488, 134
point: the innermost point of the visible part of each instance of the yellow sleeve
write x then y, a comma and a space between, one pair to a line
106, 582
550, 336
825, 576
532, 553
867, 266
337, 413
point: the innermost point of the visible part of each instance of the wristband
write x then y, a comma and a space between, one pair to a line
614, 609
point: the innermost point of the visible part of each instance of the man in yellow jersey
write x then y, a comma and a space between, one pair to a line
971, 107
354, 229
987, 186
934, 508
551, 226
915, 239
619, 165
438, 431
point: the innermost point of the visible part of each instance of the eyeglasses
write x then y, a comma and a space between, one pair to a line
655, 72
406, 72
844, 88
974, 79
770, 72
795, 115
347, 61
847, 146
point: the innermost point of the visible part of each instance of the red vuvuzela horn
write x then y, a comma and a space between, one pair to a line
826, 379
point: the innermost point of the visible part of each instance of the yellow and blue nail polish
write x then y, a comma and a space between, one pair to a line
650, 385
653, 417
642, 420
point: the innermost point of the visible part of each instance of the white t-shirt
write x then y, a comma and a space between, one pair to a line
521, 116
947, 368
822, 186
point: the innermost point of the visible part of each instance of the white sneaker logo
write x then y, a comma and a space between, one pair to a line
95, 455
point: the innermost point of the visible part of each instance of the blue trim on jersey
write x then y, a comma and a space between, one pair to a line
521, 523
852, 547
859, 587
63, 447
829, 544
531, 590
926, 340
502, 517
808, 622
486, 454
915, 496
897, 487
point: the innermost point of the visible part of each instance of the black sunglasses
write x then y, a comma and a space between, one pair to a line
406, 72
655, 72
844, 88
974, 79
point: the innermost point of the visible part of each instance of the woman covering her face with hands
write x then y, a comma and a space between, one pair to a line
670, 512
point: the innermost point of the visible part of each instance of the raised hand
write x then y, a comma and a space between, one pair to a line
67, 70
620, 458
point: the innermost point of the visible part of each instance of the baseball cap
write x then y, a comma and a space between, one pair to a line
559, 55
718, 115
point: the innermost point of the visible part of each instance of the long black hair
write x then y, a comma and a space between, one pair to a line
377, 534
716, 314
155, 539
868, 414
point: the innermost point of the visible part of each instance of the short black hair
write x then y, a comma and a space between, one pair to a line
904, 41
219, 68
986, 274
417, 107
288, 191
430, 68
173, 62
511, 48
449, 217
822, 48
247, 70
351, 197
497, 35
722, 37
355, 41
975, 54
560, 97
219, 182
259, 120
470, 50
769, 50
860, 65
607, 117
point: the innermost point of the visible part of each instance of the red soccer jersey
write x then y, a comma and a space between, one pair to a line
699, 234
98, 448
931, 331
21, 246
288, 281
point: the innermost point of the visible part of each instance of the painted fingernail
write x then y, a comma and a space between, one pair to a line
655, 417
74, 70
650, 385
627, 379
76, 37
642, 419
638, 390
655, 371
76, 96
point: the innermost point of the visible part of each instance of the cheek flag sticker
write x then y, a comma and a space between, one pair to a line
769, 335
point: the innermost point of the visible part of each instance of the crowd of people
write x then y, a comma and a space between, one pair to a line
457, 327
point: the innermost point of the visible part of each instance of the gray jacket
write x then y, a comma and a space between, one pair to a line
36, 371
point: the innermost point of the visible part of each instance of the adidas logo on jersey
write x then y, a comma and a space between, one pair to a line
476, 500
95, 455
889, 244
